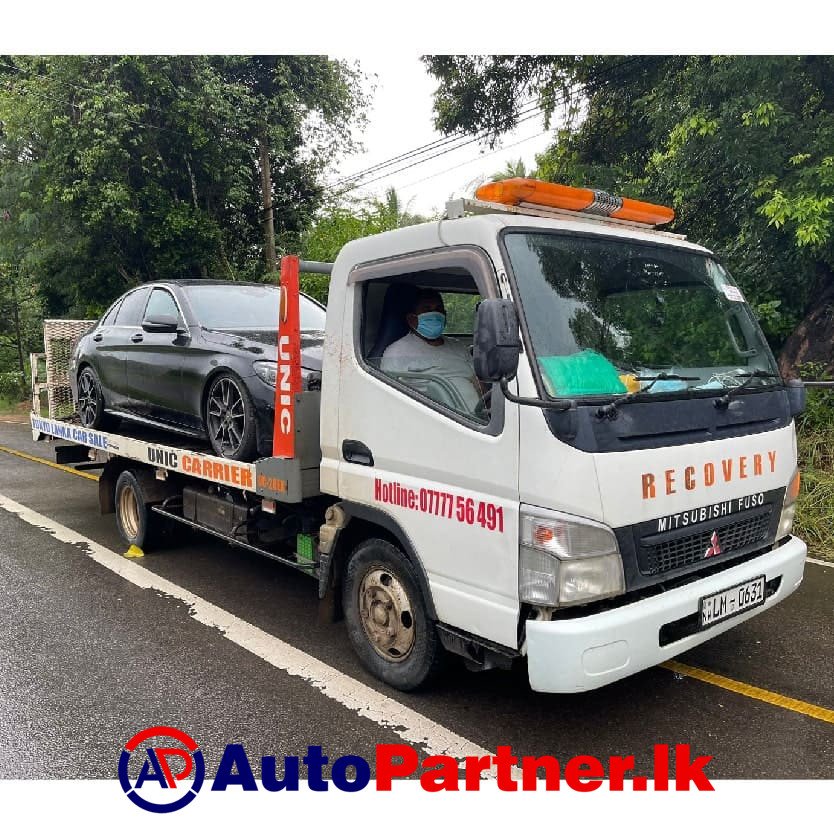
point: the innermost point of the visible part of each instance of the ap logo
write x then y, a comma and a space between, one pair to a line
163, 766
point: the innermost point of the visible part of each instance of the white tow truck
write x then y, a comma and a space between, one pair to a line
619, 488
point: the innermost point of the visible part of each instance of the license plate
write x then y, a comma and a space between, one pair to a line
732, 601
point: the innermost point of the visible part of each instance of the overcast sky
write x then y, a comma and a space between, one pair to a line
400, 119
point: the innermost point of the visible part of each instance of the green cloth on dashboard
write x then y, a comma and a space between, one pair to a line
580, 375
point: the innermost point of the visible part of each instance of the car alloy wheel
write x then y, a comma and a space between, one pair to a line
226, 416
89, 398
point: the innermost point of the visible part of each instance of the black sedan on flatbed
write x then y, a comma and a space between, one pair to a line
195, 357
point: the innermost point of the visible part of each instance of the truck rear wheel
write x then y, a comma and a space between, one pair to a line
136, 491
386, 617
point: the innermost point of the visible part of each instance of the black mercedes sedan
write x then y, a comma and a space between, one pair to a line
196, 357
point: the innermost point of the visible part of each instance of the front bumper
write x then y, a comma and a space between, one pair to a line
588, 652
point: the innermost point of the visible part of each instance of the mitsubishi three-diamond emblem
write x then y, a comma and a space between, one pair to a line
714, 546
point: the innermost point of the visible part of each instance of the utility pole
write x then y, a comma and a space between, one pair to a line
266, 191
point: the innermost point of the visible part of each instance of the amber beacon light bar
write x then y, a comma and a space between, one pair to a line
520, 191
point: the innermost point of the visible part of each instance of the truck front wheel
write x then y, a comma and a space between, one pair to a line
386, 617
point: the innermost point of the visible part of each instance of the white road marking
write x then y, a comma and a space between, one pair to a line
819, 562
355, 695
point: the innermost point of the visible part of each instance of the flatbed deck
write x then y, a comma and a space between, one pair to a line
153, 449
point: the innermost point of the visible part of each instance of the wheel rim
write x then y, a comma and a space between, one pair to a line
129, 512
226, 416
385, 612
88, 398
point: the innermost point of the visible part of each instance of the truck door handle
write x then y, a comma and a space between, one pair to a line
136, 337
354, 451
98, 337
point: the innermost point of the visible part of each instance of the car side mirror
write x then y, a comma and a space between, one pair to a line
496, 344
161, 324
796, 396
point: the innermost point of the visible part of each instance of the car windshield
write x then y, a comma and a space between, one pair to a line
607, 316
246, 307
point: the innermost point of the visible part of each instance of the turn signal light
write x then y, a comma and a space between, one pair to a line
519, 190
793, 488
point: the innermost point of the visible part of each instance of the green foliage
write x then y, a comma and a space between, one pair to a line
740, 146
818, 417
816, 495
339, 224
13, 386
815, 447
510, 171
119, 169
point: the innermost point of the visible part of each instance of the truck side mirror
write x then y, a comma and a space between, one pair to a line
796, 396
496, 343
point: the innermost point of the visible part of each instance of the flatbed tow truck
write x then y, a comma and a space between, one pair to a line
590, 515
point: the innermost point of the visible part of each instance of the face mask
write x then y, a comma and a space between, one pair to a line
431, 325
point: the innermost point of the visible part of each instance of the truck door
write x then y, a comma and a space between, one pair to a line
423, 444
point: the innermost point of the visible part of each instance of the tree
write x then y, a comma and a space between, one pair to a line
341, 223
739, 146
116, 170
510, 171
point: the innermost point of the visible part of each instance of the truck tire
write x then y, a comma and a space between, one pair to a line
387, 621
136, 491
230, 418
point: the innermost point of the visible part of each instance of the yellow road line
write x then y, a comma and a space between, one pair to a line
51, 463
755, 692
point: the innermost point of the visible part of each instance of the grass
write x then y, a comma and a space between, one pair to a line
815, 508
13, 405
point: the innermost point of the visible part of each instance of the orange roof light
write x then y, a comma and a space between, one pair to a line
551, 195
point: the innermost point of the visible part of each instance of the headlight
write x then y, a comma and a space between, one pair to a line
266, 370
788, 508
565, 560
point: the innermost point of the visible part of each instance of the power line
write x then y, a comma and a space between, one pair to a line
459, 134
475, 159
478, 137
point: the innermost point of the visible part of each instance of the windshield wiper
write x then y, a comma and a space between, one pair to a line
723, 402
611, 408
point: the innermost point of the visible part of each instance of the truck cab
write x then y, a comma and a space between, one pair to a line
619, 489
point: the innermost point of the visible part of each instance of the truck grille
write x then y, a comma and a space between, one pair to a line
673, 553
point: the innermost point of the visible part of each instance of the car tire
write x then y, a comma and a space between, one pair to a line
387, 620
230, 418
136, 491
91, 405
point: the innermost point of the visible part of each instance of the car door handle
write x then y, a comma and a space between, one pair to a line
98, 337
354, 451
136, 337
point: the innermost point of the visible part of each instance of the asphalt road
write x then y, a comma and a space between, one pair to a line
87, 658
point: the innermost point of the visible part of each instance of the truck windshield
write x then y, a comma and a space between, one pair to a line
607, 316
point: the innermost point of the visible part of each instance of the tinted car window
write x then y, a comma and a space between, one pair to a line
132, 306
312, 316
246, 307
110, 316
161, 303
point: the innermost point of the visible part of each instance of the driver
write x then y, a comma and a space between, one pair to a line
425, 350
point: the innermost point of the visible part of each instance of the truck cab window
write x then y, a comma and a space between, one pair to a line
417, 333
